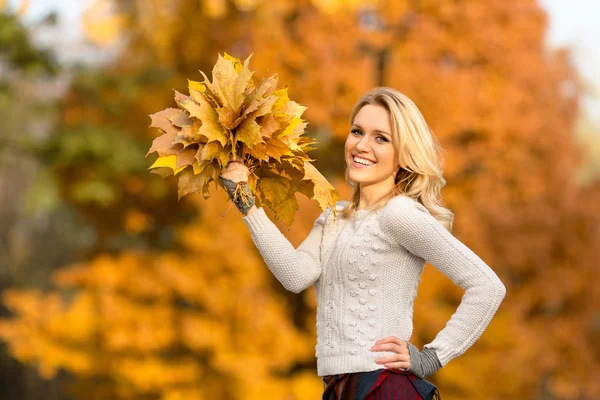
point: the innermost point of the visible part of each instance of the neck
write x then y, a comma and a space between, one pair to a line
372, 195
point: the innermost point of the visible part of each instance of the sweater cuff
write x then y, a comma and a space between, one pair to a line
423, 363
257, 221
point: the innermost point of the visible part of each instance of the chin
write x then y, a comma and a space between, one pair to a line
370, 178
363, 180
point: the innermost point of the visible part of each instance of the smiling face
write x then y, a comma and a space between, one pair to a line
371, 157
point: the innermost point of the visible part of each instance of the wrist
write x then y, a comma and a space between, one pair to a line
240, 194
252, 210
423, 363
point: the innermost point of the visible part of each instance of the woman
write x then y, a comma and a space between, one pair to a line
366, 264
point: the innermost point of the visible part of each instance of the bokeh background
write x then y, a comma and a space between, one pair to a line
112, 289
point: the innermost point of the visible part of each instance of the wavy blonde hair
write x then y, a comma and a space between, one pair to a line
420, 155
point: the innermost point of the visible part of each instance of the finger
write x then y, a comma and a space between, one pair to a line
391, 339
391, 359
230, 167
397, 365
241, 168
233, 167
238, 177
235, 176
386, 339
389, 347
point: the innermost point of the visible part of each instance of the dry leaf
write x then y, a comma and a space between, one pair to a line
237, 114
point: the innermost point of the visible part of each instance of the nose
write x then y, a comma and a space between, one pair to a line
363, 144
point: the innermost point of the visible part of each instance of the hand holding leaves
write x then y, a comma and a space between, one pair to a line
237, 116
236, 171
235, 179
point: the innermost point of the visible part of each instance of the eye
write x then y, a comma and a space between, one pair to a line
379, 138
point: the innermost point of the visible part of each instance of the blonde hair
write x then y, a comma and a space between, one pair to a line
420, 155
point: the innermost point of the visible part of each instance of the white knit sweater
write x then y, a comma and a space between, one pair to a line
366, 271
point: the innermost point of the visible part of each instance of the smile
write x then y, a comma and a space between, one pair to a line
361, 162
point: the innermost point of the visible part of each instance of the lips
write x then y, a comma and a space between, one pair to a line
364, 158
361, 162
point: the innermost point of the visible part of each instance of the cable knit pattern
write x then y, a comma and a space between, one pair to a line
366, 270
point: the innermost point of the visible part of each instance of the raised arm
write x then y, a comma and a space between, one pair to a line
410, 225
296, 269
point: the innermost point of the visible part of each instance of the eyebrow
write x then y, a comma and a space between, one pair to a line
375, 130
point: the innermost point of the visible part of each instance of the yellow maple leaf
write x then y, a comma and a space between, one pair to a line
168, 162
237, 114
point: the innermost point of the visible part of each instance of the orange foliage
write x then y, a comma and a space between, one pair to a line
200, 323
504, 110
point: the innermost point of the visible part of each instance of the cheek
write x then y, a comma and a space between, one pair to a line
348, 146
390, 156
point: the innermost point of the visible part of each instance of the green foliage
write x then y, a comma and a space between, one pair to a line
17, 50
97, 156
92, 146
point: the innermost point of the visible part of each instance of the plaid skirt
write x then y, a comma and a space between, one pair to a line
383, 384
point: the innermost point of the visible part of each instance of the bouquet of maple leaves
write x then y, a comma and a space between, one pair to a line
240, 116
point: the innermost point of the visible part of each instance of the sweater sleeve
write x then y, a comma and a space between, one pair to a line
296, 269
410, 224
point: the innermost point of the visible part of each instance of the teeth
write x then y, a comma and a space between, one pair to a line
363, 161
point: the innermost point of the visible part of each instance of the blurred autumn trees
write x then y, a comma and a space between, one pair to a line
171, 301
30, 82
